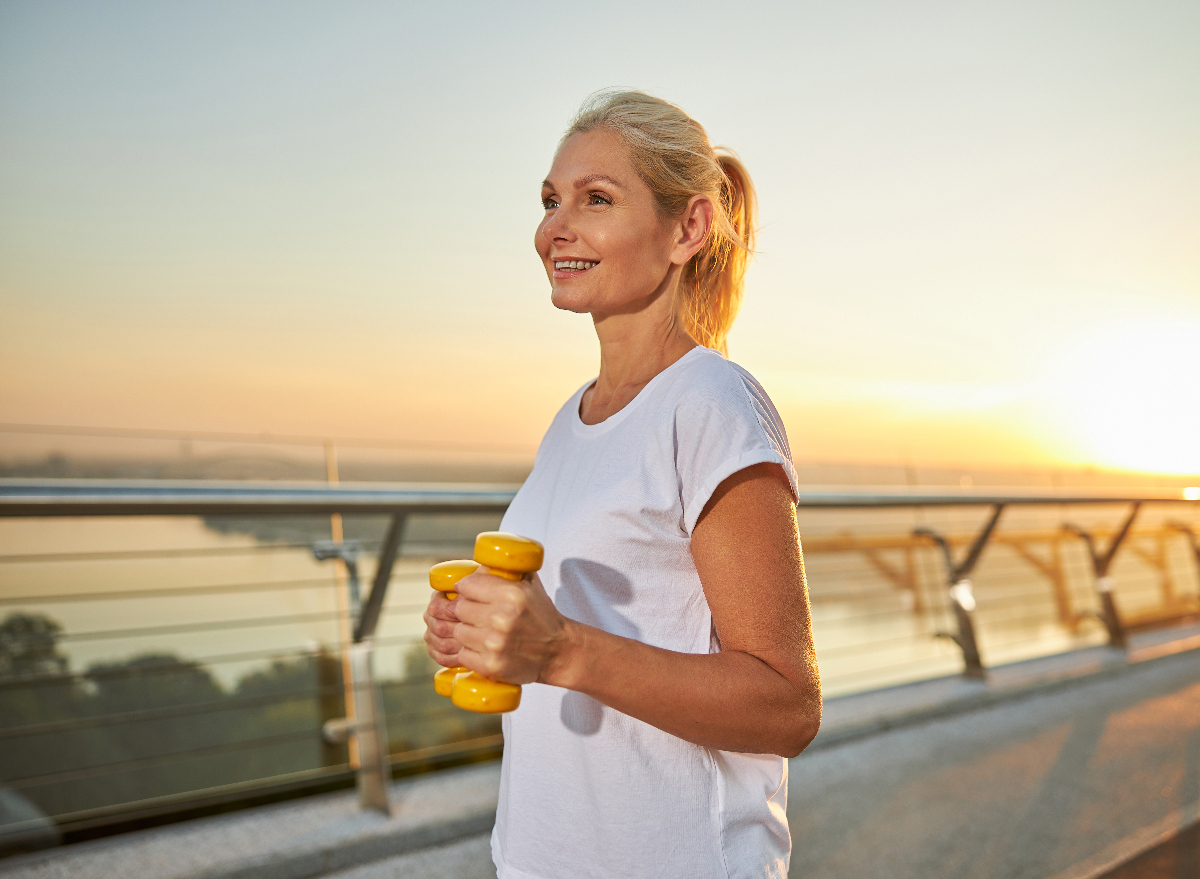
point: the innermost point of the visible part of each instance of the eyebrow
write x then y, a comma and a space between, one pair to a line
585, 180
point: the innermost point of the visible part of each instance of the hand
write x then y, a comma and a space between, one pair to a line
508, 630
440, 621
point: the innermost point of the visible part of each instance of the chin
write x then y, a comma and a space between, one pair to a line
566, 302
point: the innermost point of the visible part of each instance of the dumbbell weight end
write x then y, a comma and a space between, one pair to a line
482, 695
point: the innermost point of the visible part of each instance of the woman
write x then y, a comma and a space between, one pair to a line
666, 642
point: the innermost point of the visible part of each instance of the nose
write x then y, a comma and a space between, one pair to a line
557, 226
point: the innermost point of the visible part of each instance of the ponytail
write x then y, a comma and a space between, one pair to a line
714, 280
674, 158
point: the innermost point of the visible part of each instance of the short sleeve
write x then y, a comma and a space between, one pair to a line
723, 429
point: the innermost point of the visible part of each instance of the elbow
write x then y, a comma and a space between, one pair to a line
804, 724
801, 737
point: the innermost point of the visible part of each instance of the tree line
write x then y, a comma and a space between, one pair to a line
158, 724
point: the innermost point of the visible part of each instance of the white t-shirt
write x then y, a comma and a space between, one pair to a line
585, 790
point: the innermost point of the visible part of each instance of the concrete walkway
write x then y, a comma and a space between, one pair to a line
1066, 784
1060, 768
307, 837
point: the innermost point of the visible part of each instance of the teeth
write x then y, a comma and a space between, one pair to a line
573, 264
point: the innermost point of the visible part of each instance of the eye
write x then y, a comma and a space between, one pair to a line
548, 202
595, 198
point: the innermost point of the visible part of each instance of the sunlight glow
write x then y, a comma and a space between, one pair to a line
1129, 397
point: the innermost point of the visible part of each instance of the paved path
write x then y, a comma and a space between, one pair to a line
302, 838
1058, 785
469, 858
1063, 785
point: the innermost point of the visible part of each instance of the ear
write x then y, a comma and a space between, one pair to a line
691, 229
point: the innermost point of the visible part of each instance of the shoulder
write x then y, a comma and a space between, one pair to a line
704, 371
723, 422
711, 382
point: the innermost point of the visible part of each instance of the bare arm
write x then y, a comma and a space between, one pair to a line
759, 694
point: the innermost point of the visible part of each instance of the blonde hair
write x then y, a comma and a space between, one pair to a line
671, 153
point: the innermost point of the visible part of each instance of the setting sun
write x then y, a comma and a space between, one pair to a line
1127, 395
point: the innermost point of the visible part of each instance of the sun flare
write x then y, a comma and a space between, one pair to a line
1130, 395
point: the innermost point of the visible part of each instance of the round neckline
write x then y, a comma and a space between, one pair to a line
583, 428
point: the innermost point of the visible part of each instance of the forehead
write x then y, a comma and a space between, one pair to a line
592, 154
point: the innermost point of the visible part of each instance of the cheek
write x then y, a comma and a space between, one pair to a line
641, 252
540, 244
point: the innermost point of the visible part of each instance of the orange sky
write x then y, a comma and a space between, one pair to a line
980, 243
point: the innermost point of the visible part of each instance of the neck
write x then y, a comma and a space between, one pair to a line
635, 346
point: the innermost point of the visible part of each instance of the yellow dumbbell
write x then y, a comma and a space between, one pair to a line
505, 555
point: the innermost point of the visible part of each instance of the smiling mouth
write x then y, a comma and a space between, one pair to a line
574, 265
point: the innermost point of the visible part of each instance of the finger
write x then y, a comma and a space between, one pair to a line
466, 635
482, 586
441, 607
442, 648
440, 628
478, 639
439, 634
486, 598
473, 613
483, 663
482, 618
444, 643
441, 622
447, 661
491, 641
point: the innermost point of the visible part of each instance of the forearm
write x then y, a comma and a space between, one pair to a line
731, 700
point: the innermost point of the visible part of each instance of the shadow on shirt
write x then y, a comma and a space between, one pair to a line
590, 593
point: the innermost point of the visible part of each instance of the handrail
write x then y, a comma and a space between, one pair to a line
111, 497
105, 497
271, 439
44, 497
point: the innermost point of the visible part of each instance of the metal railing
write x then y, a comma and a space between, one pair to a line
904, 585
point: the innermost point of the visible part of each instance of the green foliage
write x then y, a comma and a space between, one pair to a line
29, 646
282, 676
418, 662
419, 718
166, 725
157, 679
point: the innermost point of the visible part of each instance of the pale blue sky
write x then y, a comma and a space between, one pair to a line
318, 217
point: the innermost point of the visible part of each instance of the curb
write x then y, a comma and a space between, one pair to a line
1132, 846
344, 854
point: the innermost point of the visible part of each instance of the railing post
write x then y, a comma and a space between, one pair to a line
1193, 539
368, 619
374, 771
366, 722
1101, 562
962, 597
329, 700
963, 600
